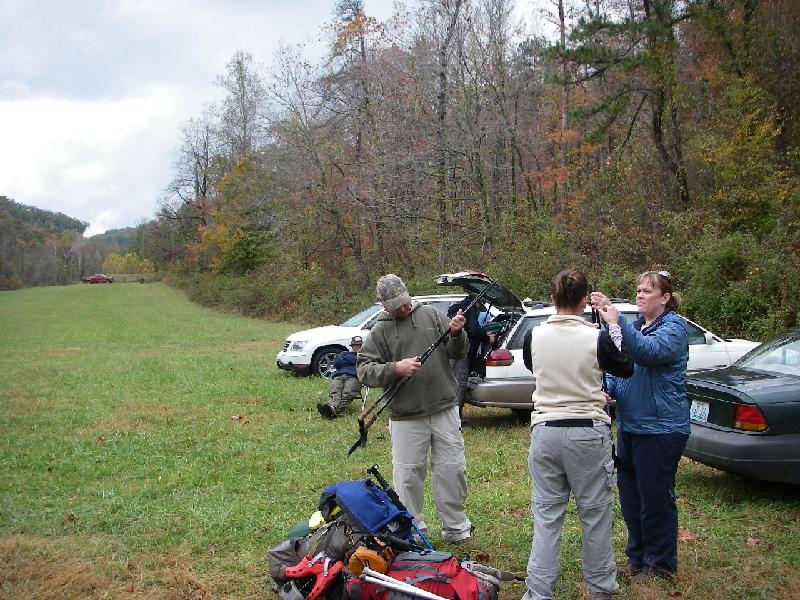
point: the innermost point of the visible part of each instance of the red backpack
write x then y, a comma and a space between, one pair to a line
437, 572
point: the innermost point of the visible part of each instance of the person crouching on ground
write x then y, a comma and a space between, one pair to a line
652, 425
571, 438
423, 416
345, 386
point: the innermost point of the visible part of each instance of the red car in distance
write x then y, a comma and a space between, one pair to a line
97, 278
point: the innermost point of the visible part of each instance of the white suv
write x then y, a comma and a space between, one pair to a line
509, 384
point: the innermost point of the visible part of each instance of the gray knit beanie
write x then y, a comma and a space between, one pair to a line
392, 292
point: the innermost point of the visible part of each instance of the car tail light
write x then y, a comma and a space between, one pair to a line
499, 358
749, 418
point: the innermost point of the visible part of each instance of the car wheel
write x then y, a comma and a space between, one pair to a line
322, 363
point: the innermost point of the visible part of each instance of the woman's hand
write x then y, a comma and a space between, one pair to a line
609, 313
599, 299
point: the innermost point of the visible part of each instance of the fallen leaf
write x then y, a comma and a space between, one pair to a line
753, 541
483, 558
70, 518
684, 535
675, 596
520, 514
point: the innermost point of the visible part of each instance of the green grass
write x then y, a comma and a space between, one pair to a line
151, 448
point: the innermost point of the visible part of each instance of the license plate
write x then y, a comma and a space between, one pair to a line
699, 411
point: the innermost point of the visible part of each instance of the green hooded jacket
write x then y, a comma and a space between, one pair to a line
432, 388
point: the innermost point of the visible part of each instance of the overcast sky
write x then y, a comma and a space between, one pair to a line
93, 92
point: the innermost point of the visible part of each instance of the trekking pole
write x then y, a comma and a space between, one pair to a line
595, 312
389, 393
394, 497
390, 491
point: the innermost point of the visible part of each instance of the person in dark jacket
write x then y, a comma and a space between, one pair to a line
479, 340
345, 386
570, 449
653, 425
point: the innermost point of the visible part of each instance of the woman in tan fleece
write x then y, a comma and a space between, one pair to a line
571, 437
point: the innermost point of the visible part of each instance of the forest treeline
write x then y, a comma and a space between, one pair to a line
639, 134
648, 133
42, 247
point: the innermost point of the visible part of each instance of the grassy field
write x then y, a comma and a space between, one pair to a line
150, 448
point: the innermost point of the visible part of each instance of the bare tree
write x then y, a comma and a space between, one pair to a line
242, 122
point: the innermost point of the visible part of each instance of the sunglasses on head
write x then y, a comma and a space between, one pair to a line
665, 274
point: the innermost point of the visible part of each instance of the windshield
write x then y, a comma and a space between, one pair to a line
780, 355
358, 318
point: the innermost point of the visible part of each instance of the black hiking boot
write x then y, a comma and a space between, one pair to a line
326, 410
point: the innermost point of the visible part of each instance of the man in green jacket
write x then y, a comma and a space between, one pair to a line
423, 417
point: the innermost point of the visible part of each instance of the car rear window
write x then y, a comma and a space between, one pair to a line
697, 336
528, 323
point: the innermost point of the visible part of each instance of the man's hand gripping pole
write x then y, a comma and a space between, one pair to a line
389, 393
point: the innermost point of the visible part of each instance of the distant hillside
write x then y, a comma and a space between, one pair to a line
37, 217
120, 238
41, 247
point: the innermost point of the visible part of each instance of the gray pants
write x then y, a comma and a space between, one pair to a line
440, 435
342, 391
577, 459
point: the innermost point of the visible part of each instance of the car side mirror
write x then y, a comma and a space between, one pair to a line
710, 338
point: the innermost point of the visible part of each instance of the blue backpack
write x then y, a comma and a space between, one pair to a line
369, 508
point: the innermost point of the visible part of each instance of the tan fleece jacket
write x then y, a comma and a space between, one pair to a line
568, 376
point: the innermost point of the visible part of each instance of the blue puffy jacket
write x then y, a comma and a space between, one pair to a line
344, 363
654, 400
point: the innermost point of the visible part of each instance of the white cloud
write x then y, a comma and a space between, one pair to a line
94, 160
93, 92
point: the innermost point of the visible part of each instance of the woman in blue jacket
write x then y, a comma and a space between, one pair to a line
652, 424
